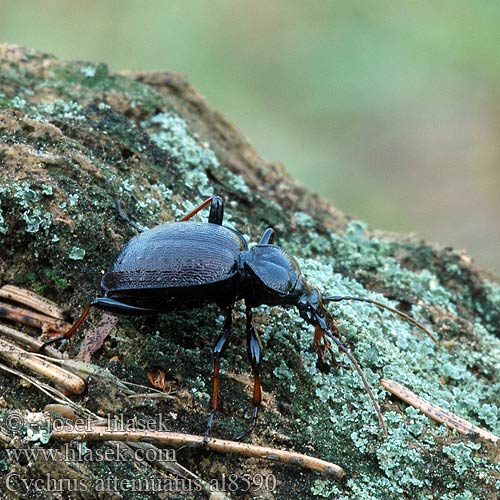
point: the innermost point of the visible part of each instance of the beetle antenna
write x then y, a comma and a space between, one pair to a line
338, 298
343, 348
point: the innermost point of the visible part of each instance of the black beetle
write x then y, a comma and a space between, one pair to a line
185, 265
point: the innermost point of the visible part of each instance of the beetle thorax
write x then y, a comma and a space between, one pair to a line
271, 276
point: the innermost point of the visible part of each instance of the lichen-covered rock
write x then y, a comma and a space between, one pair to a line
74, 138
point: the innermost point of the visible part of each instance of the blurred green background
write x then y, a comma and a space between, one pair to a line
390, 109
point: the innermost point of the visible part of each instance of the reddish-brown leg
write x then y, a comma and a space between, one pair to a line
71, 331
321, 345
216, 210
220, 346
254, 351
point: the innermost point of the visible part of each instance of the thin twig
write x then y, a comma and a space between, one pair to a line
5, 438
48, 390
177, 470
32, 299
28, 341
86, 370
52, 372
217, 445
149, 395
29, 318
436, 412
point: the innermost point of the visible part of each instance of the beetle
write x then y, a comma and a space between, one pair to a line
186, 265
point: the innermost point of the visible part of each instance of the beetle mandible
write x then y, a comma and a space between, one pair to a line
185, 265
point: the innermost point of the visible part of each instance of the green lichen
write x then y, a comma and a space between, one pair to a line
325, 489
37, 435
488, 413
89, 71
35, 220
47, 190
4, 228
303, 220
390, 346
26, 197
490, 307
76, 253
191, 155
18, 102
462, 455
73, 199
69, 110
174, 136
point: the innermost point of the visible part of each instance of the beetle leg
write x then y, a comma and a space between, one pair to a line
254, 351
268, 237
219, 347
321, 345
117, 307
71, 331
216, 210
125, 217
106, 304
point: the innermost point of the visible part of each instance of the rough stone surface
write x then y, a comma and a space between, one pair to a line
74, 138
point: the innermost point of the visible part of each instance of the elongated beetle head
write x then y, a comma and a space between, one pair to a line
311, 306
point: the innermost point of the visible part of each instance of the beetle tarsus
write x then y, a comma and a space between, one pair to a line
51, 341
208, 428
254, 351
268, 237
251, 427
71, 331
125, 218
